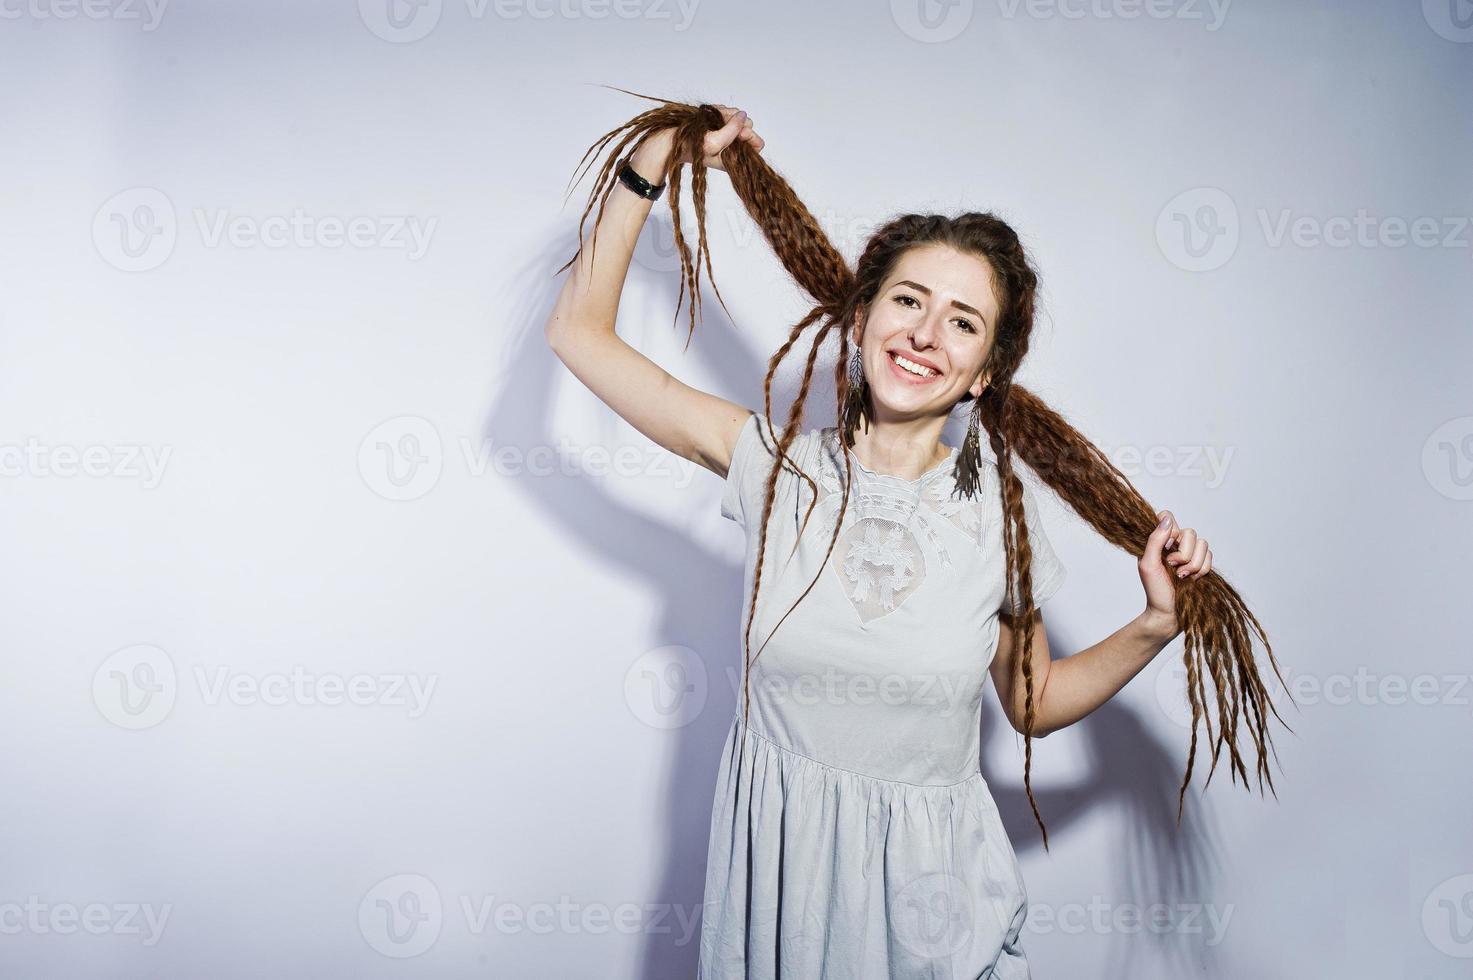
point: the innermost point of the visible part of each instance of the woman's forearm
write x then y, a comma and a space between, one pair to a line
1077, 685
590, 296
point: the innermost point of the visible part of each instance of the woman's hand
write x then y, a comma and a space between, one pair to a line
1171, 552
652, 156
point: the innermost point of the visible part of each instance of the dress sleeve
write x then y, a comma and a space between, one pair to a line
1048, 571
746, 478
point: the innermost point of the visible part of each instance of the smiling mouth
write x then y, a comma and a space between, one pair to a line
912, 370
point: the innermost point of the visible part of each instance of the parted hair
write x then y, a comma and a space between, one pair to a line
1213, 618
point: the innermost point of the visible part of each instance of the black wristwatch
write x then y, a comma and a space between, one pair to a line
632, 180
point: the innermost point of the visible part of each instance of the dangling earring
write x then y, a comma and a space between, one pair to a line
969, 460
854, 409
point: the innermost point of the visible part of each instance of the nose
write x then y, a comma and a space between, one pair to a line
923, 334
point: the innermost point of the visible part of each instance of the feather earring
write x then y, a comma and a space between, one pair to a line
854, 401
969, 460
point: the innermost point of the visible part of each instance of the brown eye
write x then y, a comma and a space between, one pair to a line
966, 324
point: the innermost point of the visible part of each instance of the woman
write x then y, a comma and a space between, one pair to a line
853, 834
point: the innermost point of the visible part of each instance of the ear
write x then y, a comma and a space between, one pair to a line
858, 326
979, 385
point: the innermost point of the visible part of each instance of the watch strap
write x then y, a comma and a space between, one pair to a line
632, 180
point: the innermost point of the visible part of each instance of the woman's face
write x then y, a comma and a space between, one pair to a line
937, 312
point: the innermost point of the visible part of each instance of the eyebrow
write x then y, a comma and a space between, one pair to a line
957, 303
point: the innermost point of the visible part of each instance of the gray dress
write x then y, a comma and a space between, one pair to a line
853, 836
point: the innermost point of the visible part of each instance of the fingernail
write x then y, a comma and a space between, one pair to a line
1165, 521
742, 115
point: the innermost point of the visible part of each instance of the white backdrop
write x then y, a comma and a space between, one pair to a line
344, 631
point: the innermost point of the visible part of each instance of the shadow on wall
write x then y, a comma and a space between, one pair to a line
1129, 766
702, 589
1132, 771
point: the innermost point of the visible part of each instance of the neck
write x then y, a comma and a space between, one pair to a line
907, 449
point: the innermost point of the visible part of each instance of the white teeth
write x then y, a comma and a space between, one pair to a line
912, 366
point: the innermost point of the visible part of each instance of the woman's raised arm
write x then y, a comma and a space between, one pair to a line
693, 424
